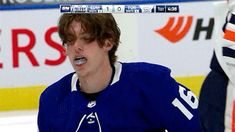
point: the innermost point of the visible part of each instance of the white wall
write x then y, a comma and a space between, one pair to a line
139, 43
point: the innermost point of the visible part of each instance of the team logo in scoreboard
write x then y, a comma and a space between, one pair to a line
65, 8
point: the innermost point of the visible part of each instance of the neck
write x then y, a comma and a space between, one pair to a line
97, 81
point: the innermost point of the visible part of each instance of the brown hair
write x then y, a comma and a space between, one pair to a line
100, 27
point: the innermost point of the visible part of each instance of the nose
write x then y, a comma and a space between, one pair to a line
78, 47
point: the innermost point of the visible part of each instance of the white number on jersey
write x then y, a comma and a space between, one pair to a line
187, 97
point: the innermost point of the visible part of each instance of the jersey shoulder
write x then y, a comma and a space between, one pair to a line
144, 69
151, 79
58, 90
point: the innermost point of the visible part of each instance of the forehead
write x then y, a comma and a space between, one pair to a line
75, 28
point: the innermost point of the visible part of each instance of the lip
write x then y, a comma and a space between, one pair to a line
80, 61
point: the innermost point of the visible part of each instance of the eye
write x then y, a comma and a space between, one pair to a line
68, 43
87, 39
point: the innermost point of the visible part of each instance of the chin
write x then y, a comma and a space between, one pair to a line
80, 73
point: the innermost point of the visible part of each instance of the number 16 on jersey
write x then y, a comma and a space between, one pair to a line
189, 98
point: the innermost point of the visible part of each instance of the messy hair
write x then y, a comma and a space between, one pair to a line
99, 27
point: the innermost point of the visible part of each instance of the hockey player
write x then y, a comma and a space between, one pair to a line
105, 95
216, 105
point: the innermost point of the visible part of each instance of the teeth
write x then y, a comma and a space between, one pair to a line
80, 60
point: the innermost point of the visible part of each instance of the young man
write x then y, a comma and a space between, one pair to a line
217, 97
105, 95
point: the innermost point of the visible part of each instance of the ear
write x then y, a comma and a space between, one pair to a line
107, 45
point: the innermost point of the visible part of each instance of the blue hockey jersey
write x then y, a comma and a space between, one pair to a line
141, 97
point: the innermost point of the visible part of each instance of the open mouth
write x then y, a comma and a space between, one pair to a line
80, 60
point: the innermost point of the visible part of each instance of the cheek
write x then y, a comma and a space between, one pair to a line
70, 58
95, 53
70, 53
69, 50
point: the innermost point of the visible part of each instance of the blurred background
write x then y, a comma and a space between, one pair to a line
31, 55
